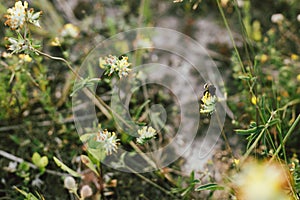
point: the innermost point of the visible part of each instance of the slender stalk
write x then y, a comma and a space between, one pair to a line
286, 137
100, 181
230, 35
254, 144
144, 156
59, 59
151, 182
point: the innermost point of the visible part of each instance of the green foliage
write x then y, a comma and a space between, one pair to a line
186, 191
209, 186
35, 89
66, 168
28, 196
40, 162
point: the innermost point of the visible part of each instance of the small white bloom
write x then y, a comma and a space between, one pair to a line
110, 144
298, 18
86, 191
16, 15
34, 17
109, 141
17, 45
123, 66
113, 64
145, 134
12, 166
277, 18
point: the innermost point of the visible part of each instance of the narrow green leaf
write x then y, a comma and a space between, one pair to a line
249, 131
29, 196
273, 122
209, 186
66, 168
139, 110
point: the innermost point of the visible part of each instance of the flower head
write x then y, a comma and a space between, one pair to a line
17, 45
16, 15
108, 140
33, 18
262, 180
113, 64
19, 14
145, 134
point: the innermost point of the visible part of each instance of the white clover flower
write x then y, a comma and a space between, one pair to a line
33, 18
123, 66
16, 15
277, 18
86, 191
108, 140
113, 64
17, 45
70, 30
145, 134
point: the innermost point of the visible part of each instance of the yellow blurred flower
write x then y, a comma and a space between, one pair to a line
70, 30
55, 42
253, 100
294, 57
25, 57
263, 58
262, 181
298, 77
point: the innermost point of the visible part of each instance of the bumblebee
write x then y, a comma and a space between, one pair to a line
208, 100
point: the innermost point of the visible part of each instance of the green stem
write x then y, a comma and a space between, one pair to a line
286, 137
245, 156
230, 35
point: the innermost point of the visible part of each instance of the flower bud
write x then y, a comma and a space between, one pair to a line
86, 191
70, 183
